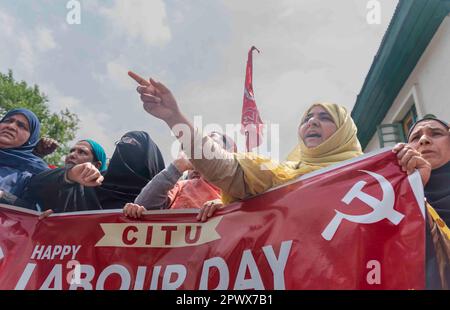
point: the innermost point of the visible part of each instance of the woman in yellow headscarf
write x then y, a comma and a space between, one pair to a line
327, 136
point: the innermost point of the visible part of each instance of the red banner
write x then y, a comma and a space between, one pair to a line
354, 226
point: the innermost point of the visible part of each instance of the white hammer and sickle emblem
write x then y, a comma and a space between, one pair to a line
1, 253
383, 209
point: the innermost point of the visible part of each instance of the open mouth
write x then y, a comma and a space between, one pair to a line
313, 135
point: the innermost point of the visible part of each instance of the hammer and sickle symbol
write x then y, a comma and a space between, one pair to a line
381, 210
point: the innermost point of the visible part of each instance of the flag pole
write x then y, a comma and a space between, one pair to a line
247, 143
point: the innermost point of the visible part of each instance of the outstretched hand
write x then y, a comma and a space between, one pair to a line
157, 99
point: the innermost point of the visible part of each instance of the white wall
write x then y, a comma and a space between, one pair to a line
428, 84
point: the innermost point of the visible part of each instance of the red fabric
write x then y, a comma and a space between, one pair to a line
251, 120
192, 194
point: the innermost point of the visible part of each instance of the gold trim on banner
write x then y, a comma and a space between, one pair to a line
441, 224
440, 235
159, 235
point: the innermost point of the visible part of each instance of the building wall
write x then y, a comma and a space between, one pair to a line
428, 86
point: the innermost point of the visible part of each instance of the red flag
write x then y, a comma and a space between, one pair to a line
251, 121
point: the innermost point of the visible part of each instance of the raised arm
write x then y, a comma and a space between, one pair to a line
223, 170
154, 195
159, 102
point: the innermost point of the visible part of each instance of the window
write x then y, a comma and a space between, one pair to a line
390, 134
409, 120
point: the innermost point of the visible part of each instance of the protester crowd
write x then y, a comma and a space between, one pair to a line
136, 179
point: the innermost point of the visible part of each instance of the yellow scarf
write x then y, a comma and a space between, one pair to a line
440, 235
261, 173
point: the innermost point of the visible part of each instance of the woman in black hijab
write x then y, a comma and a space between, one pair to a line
431, 137
136, 160
429, 143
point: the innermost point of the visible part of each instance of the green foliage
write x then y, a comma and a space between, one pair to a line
60, 126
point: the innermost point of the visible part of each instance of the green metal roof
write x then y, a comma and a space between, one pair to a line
411, 29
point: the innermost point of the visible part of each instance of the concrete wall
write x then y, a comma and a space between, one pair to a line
428, 86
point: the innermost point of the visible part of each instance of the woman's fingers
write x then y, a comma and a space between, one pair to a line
92, 175
402, 152
416, 162
139, 79
45, 214
86, 170
160, 86
213, 209
201, 217
149, 90
148, 85
131, 210
424, 168
140, 210
135, 210
82, 172
398, 147
147, 98
200, 213
410, 160
205, 213
93, 183
208, 209
404, 155
126, 210
99, 180
404, 161
411, 165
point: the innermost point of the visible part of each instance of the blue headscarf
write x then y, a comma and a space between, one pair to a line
22, 157
99, 153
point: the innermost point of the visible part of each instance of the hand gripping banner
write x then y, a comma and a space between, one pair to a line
358, 225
